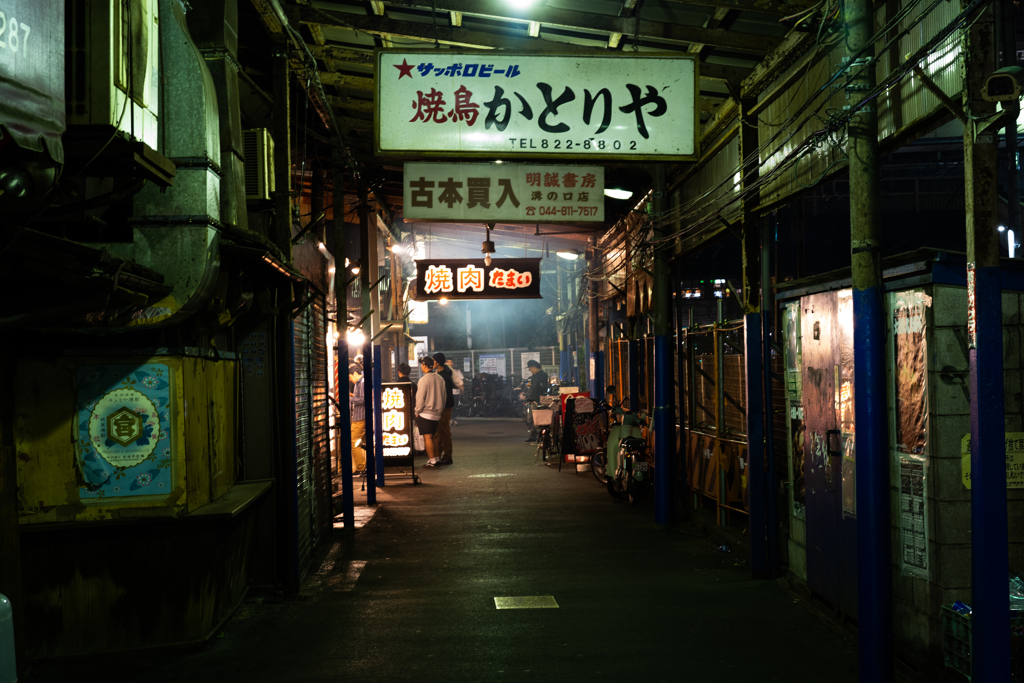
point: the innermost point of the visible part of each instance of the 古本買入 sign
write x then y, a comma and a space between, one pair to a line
505, 278
635, 106
503, 192
396, 423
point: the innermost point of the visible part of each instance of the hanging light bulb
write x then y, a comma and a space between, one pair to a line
487, 260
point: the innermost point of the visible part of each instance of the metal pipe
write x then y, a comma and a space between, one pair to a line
344, 427
282, 195
874, 554
596, 369
368, 425
990, 633
293, 574
1008, 41
772, 557
378, 432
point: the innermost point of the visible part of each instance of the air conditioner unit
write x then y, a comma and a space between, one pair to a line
113, 55
258, 148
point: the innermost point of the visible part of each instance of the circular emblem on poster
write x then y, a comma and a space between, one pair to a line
124, 427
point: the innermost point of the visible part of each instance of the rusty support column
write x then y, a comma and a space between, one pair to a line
990, 635
874, 554
752, 346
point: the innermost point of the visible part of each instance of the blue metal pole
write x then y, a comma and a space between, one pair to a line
371, 463
378, 431
990, 637
755, 444
344, 435
874, 555
664, 429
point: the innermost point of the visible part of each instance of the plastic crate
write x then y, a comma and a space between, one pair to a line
956, 643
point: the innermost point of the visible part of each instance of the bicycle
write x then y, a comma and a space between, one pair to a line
548, 421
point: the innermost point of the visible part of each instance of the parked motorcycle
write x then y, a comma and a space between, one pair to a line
629, 462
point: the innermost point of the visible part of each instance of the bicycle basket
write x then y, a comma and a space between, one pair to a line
542, 417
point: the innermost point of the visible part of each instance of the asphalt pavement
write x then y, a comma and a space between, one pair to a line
605, 594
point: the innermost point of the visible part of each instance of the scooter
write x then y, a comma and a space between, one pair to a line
628, 462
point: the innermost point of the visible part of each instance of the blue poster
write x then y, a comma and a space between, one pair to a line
125, 440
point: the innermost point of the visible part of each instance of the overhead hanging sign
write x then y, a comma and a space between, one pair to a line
396, 423
514, 104
505, 278
503, 192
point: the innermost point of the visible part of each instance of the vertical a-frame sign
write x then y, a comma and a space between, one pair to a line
396, 411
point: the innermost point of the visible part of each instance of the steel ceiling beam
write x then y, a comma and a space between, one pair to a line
463, 37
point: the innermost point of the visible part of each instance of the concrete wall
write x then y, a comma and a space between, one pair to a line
918, 599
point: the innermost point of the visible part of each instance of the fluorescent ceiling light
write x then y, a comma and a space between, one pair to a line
618, 194
570, 254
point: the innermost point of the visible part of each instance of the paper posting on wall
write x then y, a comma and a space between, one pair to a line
1014, 460
913, 516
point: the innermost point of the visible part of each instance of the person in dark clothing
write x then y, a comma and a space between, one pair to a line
403, 376
444, 427
538, 381
538, 387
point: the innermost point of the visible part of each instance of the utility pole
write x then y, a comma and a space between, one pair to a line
343, 430
874, 555
664, 410
752, 343
990, 634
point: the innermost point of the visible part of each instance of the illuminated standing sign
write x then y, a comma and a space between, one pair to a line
503, 192
505, 278
396, 423
466, 104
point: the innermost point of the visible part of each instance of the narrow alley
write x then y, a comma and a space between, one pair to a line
412, 596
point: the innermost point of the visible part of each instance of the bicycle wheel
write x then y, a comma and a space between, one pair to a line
598, 465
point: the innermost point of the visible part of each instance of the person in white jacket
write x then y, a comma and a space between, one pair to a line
430, 399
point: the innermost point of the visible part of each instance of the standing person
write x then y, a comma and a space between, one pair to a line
459, 382
357, 415
430, 398
538, 387
444, 427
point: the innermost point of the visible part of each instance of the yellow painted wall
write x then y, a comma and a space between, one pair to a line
204, 418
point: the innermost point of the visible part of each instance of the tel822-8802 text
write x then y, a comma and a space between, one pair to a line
586, 145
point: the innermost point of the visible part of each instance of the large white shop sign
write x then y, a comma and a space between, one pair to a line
482, 104
503, 192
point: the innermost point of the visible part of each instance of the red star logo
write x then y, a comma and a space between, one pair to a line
404, 68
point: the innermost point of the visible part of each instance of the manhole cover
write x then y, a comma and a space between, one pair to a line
488, 476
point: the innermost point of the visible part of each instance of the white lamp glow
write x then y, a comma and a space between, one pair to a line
617, 194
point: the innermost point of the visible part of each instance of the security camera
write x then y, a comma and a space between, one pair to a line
1003, 85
